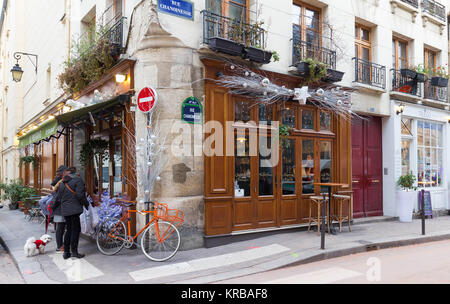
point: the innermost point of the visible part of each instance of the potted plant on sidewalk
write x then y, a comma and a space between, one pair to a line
406, 197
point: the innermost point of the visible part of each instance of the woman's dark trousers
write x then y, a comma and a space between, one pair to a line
60, 227
73, 228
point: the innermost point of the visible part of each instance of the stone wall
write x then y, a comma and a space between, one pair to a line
170, 67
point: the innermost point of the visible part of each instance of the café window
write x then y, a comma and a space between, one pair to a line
407, 141
430, 152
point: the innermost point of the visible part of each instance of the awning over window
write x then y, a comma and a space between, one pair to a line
96, 110
44, 131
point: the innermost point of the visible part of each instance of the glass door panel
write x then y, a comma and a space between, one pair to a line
242, 171
266, 177
117, 191
325, 163
288, 168
308, 166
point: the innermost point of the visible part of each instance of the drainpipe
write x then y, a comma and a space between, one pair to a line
2, 17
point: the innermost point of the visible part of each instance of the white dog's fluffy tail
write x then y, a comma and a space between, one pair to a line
30, 240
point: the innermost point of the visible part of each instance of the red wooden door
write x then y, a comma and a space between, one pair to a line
367, 167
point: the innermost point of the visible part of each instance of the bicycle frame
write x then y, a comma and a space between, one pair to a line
127, 216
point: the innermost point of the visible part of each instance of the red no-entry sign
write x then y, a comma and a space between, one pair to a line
147, 99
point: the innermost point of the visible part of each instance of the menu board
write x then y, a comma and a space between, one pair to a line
428, 207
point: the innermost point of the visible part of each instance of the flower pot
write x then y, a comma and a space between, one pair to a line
420, 77
257, 55
439, 82
408, 73
333, 76
303, 69
405, 205
226, 46
20, 205
13, 206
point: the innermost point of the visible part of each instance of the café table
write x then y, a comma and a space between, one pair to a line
330, 186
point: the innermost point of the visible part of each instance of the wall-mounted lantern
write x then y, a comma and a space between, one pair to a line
17, 71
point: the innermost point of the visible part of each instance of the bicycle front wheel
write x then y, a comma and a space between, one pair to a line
111, 236
160, 241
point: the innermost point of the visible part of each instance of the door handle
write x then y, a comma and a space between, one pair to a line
355, 181
375, 181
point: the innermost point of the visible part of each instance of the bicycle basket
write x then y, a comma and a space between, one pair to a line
174, 216
161, 210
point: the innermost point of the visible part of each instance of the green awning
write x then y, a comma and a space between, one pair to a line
71, 117
44, 131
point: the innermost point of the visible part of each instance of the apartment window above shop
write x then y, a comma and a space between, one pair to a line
234, 9
306, 24
366, 71
399, 54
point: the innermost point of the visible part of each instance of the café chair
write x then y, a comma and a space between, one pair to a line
317, 201
341, 199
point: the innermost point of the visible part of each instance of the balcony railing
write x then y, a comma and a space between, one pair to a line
303, 50
434, 8
404, 84
414, 3
435, 92
235, 30
115, 33
370, 73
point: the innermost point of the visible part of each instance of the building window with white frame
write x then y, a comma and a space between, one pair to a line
407, 140
430, 147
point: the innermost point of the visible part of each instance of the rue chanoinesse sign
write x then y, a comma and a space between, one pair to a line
179, 8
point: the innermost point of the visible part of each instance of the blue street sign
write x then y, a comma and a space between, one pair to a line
179, 8
192, 111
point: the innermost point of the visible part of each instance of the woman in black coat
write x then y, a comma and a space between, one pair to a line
71, 198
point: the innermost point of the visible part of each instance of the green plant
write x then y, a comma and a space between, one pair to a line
16, 192
284, 131
275, 56
441, 71
28, 159
406, 182
91, 56
94, 147
317, 70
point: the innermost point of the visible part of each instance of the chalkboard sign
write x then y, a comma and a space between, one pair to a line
428, 206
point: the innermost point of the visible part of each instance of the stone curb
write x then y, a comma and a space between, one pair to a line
369, 247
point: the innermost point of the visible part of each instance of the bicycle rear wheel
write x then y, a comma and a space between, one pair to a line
111, 236
162, 248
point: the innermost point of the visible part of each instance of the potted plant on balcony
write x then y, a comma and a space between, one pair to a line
233, 44
312, 70
409, 72
421, 73
440, 77
333, 76
406, 197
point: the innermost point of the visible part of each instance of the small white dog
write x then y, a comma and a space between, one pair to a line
34, 247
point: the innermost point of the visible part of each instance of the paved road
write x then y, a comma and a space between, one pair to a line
426, 263
9, 274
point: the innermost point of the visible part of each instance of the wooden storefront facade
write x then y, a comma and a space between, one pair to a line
319, 151
111, 120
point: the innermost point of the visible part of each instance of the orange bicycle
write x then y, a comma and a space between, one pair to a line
160, 238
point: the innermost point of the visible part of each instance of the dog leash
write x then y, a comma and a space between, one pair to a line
49, 209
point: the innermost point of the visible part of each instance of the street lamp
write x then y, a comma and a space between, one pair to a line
17, 71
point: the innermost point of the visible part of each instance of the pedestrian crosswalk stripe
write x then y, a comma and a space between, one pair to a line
324, 276
76, 270
207, 263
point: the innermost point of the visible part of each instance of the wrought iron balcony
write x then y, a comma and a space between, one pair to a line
435, 92
303, 50
434, 8
217, 26
404, 84
414, 3
370, 73
115, 33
